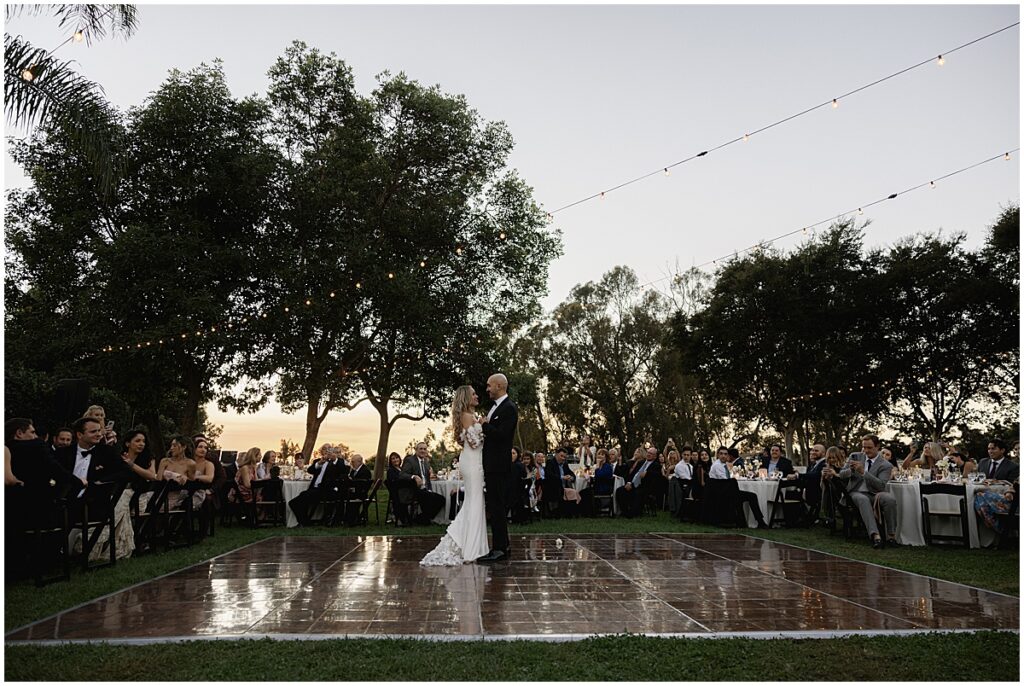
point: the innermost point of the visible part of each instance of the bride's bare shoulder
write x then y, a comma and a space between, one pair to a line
468, 419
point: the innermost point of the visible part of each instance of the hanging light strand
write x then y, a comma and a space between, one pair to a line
859, 210
831, 102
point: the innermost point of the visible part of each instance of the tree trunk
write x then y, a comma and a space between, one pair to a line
543, 424
380, 461
193, 382
313, 421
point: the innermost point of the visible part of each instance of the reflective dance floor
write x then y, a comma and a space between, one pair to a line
554, 587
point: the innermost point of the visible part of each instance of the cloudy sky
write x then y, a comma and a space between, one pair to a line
596, 95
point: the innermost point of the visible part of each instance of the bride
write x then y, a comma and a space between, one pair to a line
466, 538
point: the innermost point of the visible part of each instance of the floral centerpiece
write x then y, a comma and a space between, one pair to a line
942, 467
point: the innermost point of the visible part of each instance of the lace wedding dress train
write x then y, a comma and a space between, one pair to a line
466, 538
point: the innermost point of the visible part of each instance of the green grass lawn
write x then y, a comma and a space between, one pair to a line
987, 656
905, 658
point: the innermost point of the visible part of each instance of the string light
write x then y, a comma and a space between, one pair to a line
308, 303
332, 294
358, 285
941, 60
833, 101
1006, 156
79, 36
391, 275
931, 184
860, 210
501, 235
666, 171
746, 137
27, 74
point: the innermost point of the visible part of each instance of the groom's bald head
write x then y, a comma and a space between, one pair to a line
497, 386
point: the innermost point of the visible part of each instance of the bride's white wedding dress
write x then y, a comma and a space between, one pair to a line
466, 538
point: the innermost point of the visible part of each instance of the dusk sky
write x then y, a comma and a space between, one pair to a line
596, 95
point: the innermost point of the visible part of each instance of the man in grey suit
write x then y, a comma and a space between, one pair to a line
997, 466
865, 475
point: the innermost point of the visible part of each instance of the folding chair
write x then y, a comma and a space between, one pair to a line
45, 537
790, 493
97, 514
959, 491
267, 505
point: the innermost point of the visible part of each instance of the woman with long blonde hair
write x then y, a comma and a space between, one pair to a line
466, 537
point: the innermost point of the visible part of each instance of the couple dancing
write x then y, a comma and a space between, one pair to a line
486, 458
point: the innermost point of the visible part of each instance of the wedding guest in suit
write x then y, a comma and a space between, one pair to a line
778, 462
100, 415
619, 466
401, 489
997, 466
645, 479
558, 477
720, 470
866, 474
62, 438
90, 457
326, 471
360, 478
812, 483
418, 467
680, 482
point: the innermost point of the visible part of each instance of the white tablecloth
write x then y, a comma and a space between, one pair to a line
765, 491
290, 490
583, 482
910, 527
445, 488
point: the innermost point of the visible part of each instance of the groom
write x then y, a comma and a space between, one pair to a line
499, 427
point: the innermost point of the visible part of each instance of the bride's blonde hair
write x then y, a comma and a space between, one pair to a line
460, 404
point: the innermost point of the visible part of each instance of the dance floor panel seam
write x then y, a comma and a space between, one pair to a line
555, 587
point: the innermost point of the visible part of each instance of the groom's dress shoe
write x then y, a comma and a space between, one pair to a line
493, 556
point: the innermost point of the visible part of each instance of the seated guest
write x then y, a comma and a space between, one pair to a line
560, 485
418, 467
205, 473
326, 471
401, 489
530, 466
997, 466
777, 462
360, 479
245, 473
136, 454
679, 483
701, 469
812, 483
604, 474
644, 479
93, 459
178, 467
866, 474
100, 415
300, 461
62, 438
90, 457
930, 454
737, 460
613, 460
989, 504
268, 461
887, 455
720, 470
962, 460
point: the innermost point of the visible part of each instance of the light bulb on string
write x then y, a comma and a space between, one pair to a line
458, 251
746, 137
79, 36
332, 294
931, 184
286, 309
835, 103
501, 235
1006, 156
602, 195
941, 61
666, 171
422, 263
358, 285
27, 74
860, 210
308, 303
391, 275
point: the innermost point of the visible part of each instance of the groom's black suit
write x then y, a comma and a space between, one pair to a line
498, 433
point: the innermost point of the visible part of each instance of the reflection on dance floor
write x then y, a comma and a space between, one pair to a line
568, 585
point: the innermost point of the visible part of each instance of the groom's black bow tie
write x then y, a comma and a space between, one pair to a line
86, 453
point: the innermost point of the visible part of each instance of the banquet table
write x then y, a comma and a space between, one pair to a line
583, 482
445, 487
292, 488
910, 527
765, 491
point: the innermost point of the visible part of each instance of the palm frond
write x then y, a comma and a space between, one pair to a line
94, 21
58, 95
